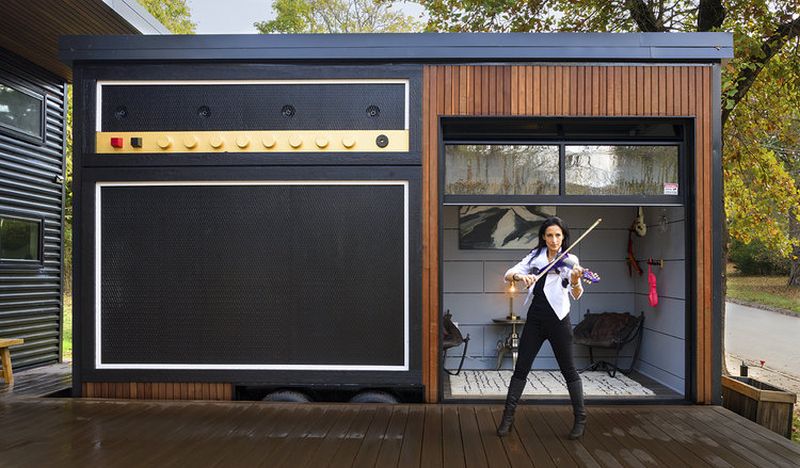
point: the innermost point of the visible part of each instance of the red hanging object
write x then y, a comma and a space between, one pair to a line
633, 264
651, 279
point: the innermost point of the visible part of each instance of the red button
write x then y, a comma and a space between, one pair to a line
117, 142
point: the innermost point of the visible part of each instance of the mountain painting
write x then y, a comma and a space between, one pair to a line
500, 227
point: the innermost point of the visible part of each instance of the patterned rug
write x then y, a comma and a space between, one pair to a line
540, 383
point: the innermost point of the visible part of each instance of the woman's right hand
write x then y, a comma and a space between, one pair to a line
528, 280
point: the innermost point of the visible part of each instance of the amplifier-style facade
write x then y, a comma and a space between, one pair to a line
248, 225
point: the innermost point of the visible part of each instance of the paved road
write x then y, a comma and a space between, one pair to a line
756, 334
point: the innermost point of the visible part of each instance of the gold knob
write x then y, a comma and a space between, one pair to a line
295, 141
164, 142
216, 141
348, 142
190, 141
242, 141
268, 141
321, 142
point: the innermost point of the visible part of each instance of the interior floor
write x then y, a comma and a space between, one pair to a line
492, 385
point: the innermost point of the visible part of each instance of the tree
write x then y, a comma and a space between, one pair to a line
173, 14
337, 16
760, 87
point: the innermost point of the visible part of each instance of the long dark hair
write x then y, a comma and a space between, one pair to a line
552, 221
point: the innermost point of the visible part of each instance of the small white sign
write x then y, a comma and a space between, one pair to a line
670, 188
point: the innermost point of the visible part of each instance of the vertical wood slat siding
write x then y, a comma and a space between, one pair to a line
30, 298
579, 90
159, 390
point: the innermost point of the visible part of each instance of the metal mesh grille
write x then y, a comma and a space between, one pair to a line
253, 275
253, 107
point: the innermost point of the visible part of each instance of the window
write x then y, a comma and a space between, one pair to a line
21, 111
561, 161
501, 169
621, 170
20, 239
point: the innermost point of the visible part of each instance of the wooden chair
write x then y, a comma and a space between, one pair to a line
5, 355
610, 330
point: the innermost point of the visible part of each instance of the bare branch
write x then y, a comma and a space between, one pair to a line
771, 46
644, 16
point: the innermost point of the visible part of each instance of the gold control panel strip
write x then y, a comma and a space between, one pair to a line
317, 141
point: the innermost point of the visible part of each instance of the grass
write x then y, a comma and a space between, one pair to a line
796, 428
66, 338
770, 291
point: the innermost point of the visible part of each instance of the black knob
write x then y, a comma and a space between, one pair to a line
382, 141
204, 112
288, 111
373, 111
121, 112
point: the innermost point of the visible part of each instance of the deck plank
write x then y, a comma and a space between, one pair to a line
411, 451
693, 440
389, 454
515, 450
529, 420
575, 447
348, 447
327, 448
656, 438
452, 446
760, 433
474, 454
492, 445
370, 448
432, 455
726, 437
645, 450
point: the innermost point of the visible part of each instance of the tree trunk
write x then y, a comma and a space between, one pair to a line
794, 233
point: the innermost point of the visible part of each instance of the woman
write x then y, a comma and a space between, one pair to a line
548, 319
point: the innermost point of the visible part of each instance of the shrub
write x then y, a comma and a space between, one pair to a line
755, 259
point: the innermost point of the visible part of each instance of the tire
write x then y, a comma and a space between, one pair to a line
374, 396
287, 396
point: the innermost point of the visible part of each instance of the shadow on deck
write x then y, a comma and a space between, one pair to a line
75, 432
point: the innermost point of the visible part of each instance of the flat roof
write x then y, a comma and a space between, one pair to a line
405, 47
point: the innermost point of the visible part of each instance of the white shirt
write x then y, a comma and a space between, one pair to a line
554, 291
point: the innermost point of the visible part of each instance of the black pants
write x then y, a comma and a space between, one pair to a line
544, 325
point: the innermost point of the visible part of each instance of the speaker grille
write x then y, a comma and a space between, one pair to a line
253, 107
268, 274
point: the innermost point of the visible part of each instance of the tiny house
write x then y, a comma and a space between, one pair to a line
299, 212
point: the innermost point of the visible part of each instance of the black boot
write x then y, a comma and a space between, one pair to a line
515, 388
576, 395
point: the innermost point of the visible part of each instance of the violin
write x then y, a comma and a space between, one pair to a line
568, 261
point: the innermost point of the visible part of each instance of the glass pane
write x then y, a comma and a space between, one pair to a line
20, 111
501, 170
622, 170
19, 239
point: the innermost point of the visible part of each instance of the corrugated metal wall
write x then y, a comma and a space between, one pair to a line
30, 298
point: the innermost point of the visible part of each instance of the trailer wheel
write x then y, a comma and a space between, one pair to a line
287, 396
374, 396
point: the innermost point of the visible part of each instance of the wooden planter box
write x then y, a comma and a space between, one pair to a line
757, 401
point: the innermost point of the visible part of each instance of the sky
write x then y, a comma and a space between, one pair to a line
238, 16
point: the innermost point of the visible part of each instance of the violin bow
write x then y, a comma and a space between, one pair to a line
564, 253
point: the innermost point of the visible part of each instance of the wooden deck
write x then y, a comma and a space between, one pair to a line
75, 432
39, 381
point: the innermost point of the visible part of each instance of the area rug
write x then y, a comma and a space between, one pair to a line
543, 383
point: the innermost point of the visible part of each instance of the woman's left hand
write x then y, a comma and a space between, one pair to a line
575, 274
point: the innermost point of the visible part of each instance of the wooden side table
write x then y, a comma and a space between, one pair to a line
511, 343
5, 356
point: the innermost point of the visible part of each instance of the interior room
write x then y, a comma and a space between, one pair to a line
627, 175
